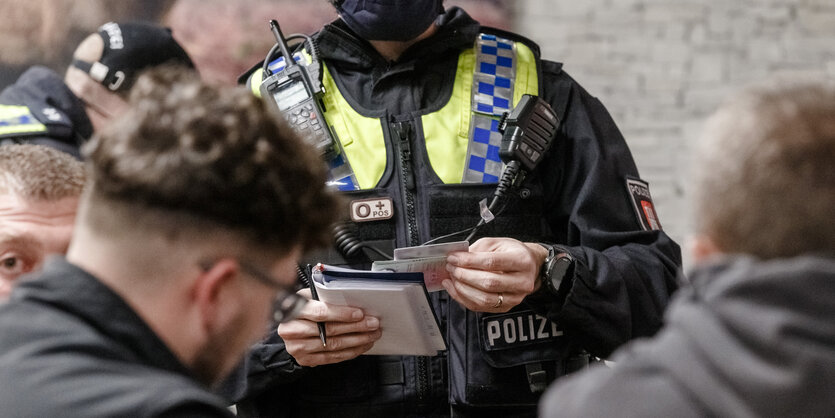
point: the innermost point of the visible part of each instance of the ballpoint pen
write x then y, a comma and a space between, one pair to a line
308, 279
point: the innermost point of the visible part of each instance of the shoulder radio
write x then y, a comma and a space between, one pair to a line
528, 132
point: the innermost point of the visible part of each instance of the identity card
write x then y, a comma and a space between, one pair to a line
429, 259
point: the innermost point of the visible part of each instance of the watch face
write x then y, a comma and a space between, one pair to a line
557, 269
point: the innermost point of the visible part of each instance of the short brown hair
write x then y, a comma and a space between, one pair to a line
214, 155
37, 172
765, 173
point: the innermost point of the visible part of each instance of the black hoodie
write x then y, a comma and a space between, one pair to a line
72, 347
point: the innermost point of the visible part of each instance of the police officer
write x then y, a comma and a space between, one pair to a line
43, 108
576, 263
40, 109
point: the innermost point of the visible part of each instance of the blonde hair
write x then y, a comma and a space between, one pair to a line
765, 171
37, 172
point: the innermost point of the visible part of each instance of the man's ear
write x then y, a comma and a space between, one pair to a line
216, 294
702, 247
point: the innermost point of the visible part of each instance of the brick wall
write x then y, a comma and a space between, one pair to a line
661, 67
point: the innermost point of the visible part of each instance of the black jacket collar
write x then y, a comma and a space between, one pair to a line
337, 43
71, 289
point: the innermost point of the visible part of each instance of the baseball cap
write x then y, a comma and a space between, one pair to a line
129, 48
40, 109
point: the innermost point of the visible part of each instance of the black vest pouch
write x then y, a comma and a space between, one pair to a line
489, 354
454, 207
346, 382
378, 233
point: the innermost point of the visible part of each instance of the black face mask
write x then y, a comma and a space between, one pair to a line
388, 20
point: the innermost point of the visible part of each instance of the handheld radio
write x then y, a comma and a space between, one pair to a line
293, 94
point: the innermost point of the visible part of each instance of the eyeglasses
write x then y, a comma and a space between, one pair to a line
287, 303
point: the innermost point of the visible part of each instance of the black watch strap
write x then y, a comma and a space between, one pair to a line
551, 252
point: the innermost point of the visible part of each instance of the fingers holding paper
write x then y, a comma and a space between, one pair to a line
495, 275
349, 334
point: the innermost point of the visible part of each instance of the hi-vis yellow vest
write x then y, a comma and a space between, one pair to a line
462, 138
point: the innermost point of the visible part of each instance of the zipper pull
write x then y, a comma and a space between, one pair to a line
404, 132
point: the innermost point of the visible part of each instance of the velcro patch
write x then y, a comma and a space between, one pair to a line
516, 329
374, 209
642, 203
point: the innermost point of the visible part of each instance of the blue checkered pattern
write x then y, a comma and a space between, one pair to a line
492, 96
19, 120
277, 65
494, 72
16, 115
341, 175
483, 162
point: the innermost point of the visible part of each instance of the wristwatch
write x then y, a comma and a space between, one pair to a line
558, 265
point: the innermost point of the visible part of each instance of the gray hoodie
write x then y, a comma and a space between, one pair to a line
748, 338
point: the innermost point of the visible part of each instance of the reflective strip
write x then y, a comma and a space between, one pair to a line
340, 174
359, 137
277, 65
527, 79
483, 162
462, 138
493, 84
495, 72
494, 87
15, 120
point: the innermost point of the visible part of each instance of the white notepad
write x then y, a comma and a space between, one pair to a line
399, 300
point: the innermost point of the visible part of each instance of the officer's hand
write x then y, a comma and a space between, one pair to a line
349, 333
495, 275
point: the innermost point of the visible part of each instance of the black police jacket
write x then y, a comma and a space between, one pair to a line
54, 105
577, 198
71, 347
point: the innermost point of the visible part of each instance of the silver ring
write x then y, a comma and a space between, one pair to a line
498, 302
